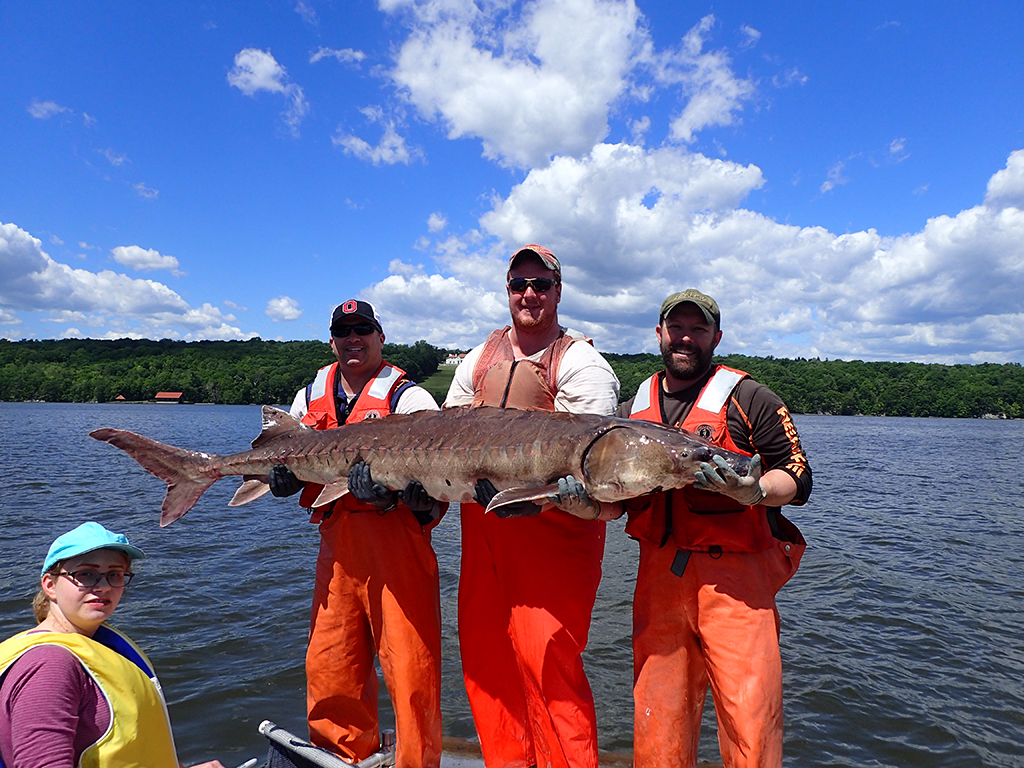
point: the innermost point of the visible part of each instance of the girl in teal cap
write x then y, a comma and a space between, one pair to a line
74, 691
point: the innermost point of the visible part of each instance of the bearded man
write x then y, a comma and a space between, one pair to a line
713, 555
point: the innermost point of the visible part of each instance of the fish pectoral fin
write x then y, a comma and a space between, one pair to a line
331, 492
251, 489
518, 495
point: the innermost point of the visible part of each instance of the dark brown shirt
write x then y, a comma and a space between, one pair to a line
758, 422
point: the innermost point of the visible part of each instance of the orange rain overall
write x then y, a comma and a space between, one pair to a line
526, 594
376, 592
704, 609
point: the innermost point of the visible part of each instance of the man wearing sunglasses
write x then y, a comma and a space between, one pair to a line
376, 589
528, 584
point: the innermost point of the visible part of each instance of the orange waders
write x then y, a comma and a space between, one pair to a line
526, 593
716, 623
376, 592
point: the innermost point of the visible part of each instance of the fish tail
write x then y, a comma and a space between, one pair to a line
187, 473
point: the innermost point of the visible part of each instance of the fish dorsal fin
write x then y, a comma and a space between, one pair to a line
277, 423
251, 489
515, 495
331, 492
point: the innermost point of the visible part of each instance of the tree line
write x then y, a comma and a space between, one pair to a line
225, 372
257, 371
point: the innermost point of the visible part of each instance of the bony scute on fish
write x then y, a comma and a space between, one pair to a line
523, 453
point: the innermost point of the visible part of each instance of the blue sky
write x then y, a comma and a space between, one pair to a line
846, 179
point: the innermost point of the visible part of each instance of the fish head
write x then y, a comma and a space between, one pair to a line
637, 457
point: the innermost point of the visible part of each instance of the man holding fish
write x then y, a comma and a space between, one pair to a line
528, 583
376, 589
712, 555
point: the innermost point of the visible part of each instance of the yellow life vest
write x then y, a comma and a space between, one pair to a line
139, 735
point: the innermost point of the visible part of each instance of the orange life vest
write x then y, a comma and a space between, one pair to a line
698, 521
374, 402
500, 379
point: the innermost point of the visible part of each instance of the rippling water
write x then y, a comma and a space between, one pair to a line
902, 633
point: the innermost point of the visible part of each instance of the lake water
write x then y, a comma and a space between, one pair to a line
902, 633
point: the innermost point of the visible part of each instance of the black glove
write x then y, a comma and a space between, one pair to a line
484, 491
419, 501
283, 482
361, 485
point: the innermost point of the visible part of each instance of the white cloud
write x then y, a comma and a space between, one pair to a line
307, 12
44, 110
834, 177
8, 318
256, 71
715, 93
391, 148
529, 84
147, 192
751, 36
113, 157
144, 260
283, 308
898, 150
792, 76
343, 55
1006, 187
30, 281
631, 225
436, 222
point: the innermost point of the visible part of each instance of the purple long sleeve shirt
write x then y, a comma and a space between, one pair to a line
51, 710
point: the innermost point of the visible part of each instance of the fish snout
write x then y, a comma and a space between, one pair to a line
704, 454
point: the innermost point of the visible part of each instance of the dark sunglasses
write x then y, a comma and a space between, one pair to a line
90, 578
360, 329
539, 284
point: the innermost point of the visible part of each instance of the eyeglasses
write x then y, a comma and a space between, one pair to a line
539, 284
360, 329
90, 578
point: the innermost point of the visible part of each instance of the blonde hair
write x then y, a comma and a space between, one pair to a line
41, 603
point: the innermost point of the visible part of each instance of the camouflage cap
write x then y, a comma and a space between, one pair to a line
707, 305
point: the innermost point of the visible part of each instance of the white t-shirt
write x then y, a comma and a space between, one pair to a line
586, 383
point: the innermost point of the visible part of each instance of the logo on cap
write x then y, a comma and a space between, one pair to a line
349, 306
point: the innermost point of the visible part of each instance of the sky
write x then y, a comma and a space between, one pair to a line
846, 179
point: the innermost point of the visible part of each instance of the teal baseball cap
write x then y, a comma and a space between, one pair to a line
86, 538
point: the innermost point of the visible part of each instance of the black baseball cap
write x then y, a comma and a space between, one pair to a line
355, 308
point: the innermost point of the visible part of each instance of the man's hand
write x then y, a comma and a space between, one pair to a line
282, 482
484, 491
421, 503
361, 485
573, 498
721, 478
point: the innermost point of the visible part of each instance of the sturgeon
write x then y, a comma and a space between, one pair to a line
523, 453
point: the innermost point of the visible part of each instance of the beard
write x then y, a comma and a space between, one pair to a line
686, 370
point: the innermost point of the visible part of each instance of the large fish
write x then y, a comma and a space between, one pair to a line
523, 453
